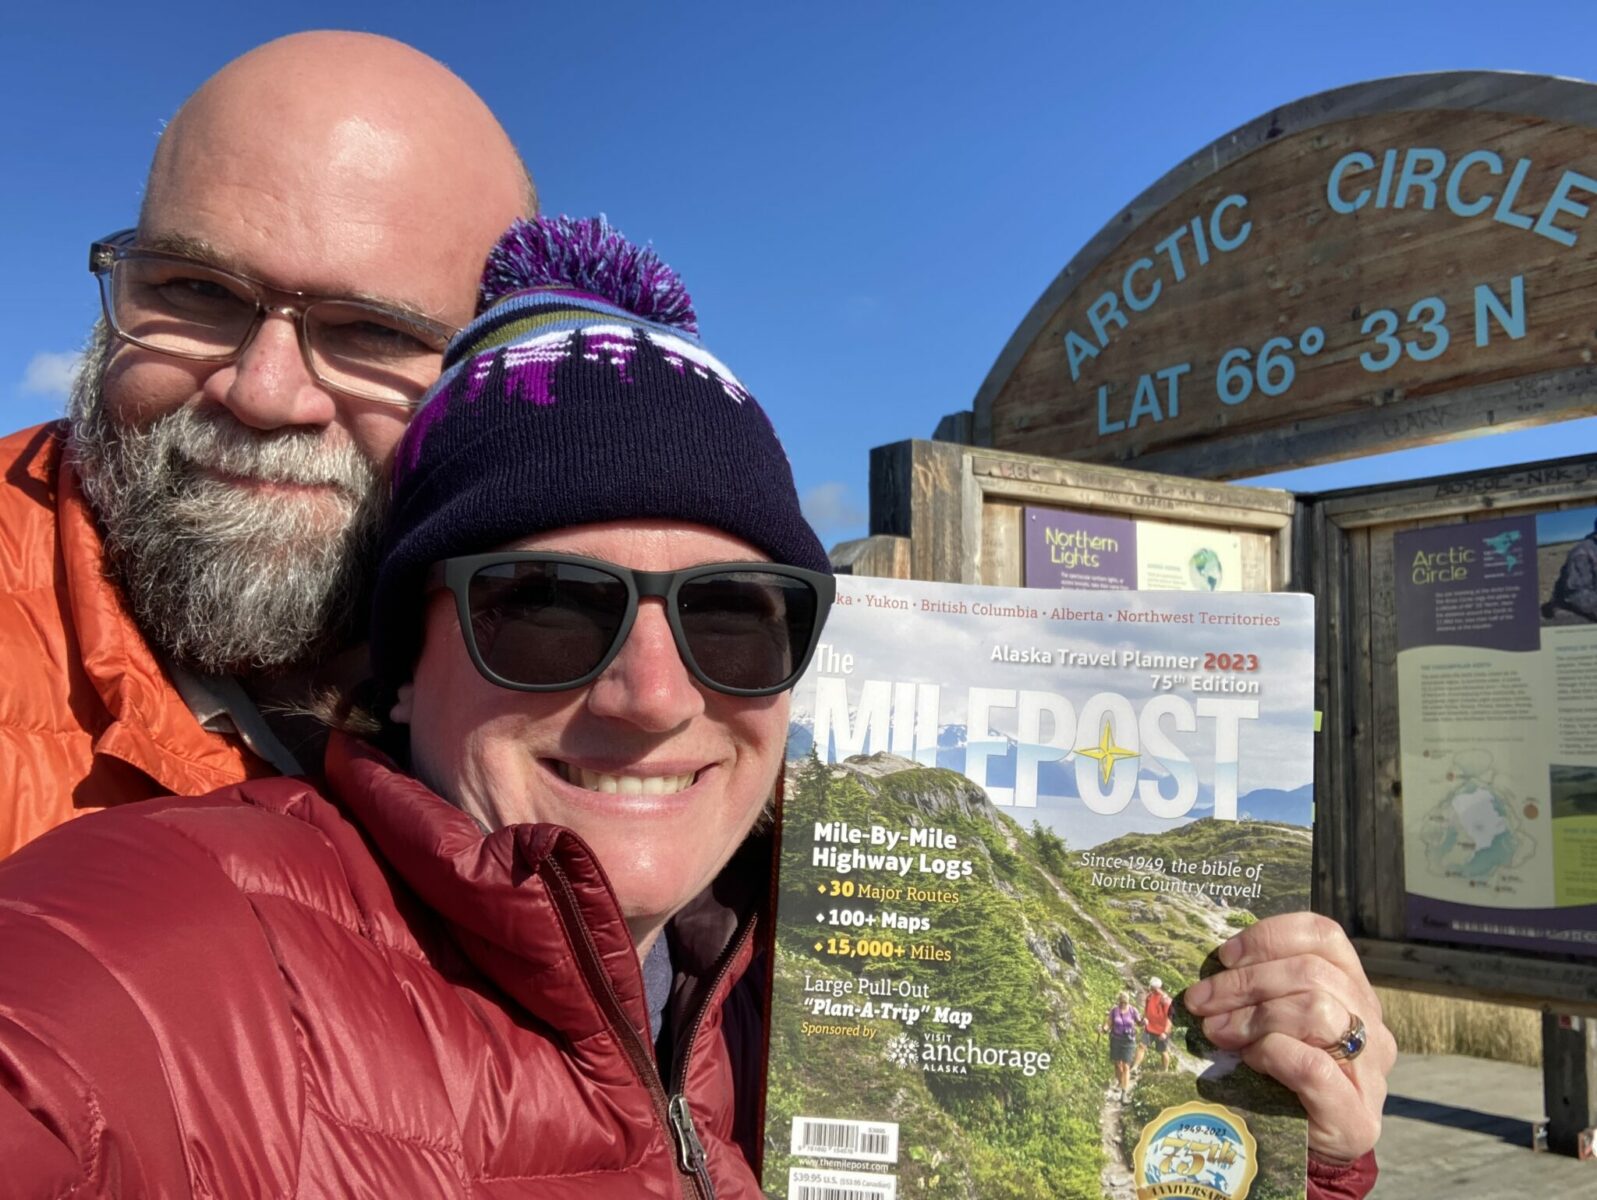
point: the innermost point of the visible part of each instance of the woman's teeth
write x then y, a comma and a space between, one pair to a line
626, 785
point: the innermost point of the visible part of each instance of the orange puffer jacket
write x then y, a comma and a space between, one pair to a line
263, 992
88, 719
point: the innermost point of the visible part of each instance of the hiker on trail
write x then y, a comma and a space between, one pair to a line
1121, 1026
1156, 1023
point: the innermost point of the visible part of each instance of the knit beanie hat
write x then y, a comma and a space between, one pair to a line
580, 393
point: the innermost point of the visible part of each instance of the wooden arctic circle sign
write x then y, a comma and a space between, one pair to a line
1380, 266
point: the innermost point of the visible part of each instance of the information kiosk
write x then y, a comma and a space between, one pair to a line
1386, 265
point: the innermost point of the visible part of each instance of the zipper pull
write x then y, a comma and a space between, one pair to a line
690, 1151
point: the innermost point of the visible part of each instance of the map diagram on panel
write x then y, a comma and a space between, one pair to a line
1474, 833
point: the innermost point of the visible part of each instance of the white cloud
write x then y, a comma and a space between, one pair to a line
50, 374
828, 506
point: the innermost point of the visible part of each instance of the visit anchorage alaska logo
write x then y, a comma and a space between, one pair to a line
1195, 1152
936, 1055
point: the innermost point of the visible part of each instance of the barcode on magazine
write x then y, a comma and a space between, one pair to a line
807, 1183
864, 1141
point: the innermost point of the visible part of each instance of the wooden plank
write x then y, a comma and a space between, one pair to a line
1259, 572
890, 489
915, 494
972, 529
1565, 481
879, 555
1296, 565
937, 512
1135, 504
1360, 782
1332, 888
1500, 976
1569, 1082
1384, 862
1278, 251
1048, 480
1389, 422
1003, 544
957, 427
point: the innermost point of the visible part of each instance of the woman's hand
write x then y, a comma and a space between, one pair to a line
1292, 988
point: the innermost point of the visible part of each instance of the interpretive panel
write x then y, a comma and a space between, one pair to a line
1497, 710
1066, 549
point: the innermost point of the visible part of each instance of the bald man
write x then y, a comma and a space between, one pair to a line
187, 548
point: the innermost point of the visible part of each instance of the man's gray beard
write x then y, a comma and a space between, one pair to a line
220, 578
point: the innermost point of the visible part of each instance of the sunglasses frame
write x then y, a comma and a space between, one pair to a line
457, 573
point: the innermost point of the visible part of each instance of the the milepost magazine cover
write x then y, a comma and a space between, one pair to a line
1016, 824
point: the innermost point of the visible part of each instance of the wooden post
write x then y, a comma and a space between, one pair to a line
957, 427
1569, 1082
917, 493
880, 555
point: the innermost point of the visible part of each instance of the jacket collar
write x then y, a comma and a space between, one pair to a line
509, 899
149, 726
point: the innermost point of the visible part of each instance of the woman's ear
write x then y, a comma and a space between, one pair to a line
404, 702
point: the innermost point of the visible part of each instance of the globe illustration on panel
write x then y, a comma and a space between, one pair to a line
1203, 568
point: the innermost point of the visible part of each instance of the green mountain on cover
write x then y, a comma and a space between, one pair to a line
1040, 955
1285, 851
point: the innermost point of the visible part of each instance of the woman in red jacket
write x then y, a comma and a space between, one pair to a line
522, 963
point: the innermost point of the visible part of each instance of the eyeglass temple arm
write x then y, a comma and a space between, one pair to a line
102, 253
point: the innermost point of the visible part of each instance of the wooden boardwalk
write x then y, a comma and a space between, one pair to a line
1461, 1127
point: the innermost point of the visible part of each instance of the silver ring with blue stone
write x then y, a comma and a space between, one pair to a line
1351, 1044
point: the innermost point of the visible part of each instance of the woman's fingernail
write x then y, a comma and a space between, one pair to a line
1198, 993
1214, 1026
1229, 952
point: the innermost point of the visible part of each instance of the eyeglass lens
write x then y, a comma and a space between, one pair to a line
550, 623
191, 310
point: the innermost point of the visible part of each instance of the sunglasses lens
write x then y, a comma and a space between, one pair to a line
747, 629
545, 623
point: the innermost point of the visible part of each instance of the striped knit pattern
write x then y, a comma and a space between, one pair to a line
559, 407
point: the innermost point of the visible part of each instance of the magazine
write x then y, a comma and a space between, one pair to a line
1015, 826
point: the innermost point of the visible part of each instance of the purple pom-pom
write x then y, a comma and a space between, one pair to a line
589, 255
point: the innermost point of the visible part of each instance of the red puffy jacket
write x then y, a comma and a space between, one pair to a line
257, 993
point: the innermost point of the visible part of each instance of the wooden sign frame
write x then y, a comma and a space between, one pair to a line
946, 512
1359, 866
1387, 417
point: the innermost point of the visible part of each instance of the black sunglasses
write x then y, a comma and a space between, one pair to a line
537, 622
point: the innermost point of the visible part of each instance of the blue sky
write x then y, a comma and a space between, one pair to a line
863, 199
1568, 525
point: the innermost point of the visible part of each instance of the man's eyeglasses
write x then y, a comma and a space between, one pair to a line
537, 622
175, 305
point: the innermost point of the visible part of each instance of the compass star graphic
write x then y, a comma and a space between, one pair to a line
1106, 752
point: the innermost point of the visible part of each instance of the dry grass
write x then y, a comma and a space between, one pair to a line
1425, 1024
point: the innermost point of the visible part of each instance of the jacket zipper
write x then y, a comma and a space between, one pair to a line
688, 1137
671, 1112
690, 1150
